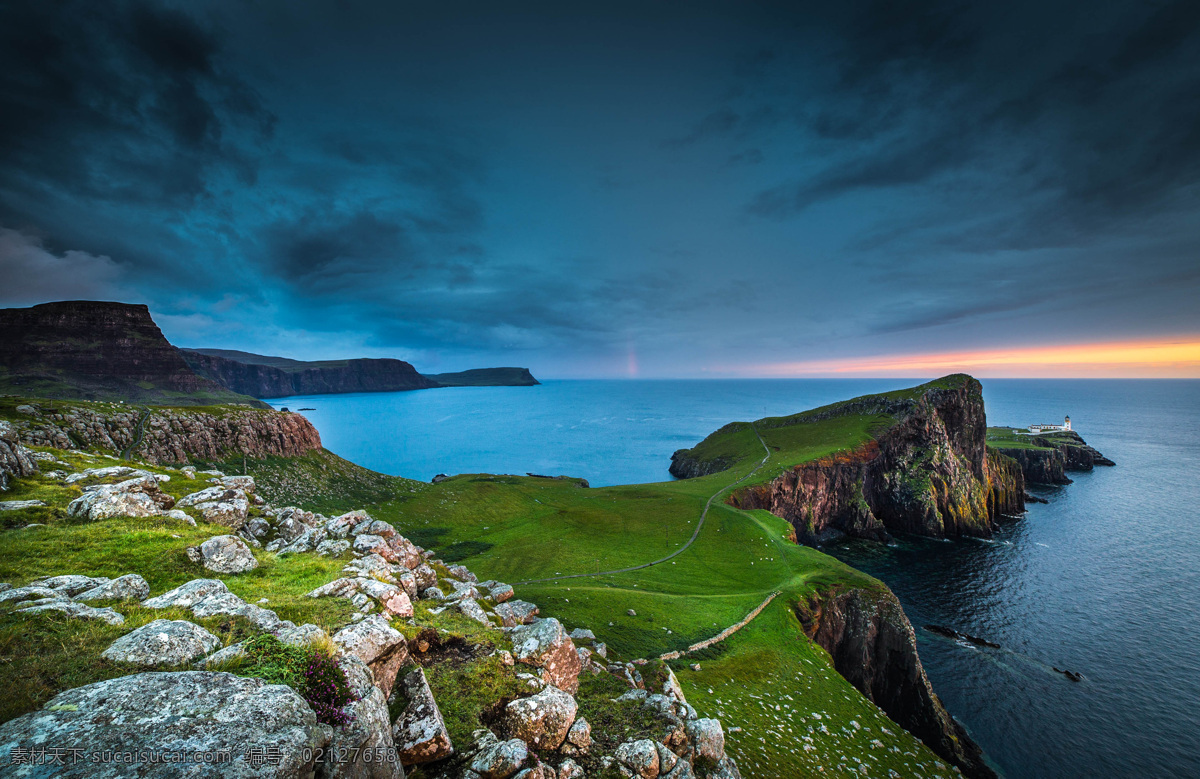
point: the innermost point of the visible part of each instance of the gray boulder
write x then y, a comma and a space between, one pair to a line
379, 645
30, 593
543, 720
361, 748
492, 758
516, 612
189, 711
127, 587
220, 505
708, 738
640, 757
138, 497
227, 554
332, 548
17, 505
74, 610
70, 584
545, 644
419, 731
162, 642
187, 595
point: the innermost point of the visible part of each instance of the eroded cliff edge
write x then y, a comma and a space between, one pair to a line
1046, 459
873, 646
925, 469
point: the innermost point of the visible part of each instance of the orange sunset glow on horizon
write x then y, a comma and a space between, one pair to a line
1177, 358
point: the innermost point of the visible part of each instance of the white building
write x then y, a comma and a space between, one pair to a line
1066, 425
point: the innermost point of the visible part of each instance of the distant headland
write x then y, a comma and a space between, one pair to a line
95, 350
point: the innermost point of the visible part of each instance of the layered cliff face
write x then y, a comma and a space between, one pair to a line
15, 460
873, 646
1046, 459
276, 377
926, 472
169, 436
97, 351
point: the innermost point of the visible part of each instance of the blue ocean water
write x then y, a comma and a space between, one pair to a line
1103, 580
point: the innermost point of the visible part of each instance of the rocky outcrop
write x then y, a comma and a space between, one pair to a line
217, 715
169, 435
873, 646
93, 350
1048, 458
927, 473
15, 460
277, 377
485, 377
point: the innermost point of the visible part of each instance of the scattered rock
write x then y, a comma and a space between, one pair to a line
640, 757
545, 644
17, 505
708, 738
162, 642
332, 548
127, 587
227, 554
360, 748
32, 592
492, 758
220, 505
192, 711
377, 644
75, 610
516, 612
138, 497
631, 613
542, 720
70, 584
419, 731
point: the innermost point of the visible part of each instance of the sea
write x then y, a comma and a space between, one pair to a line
1103, 580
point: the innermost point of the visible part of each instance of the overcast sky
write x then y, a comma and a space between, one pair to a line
609, 189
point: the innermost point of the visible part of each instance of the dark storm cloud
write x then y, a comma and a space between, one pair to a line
118, 101
577, 185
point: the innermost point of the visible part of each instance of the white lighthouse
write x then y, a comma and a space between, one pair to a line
1067, 423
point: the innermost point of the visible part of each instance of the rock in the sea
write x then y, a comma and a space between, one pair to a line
138, 497
227, 554
127, 587
419, 731
516, 612
74, 610
379, 645
543, 720
545, 644
162, 642
181, 712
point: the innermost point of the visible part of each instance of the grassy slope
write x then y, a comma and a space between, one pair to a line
517, 528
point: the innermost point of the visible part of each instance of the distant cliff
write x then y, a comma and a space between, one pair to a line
165, 435
278, 377
94, 350
485, 377
1046, 459
924, 470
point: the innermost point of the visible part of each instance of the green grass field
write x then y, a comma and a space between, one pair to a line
797, 716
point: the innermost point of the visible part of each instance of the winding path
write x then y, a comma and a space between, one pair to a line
139, 433
680, 550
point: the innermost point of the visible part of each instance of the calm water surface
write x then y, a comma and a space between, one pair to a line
1104, 580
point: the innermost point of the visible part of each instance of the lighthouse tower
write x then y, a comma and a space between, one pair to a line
1067, 424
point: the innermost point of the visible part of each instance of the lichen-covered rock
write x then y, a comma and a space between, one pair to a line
492, 758
220, 505
127, 587
371, 544
17, 505
640, 757
32, 592
462, 573
70, 584
189, 711
545, 644
187, 595
379, 645
543, 720
139, 497
108, 472
227, 554
338, 588
580, 735
419, 731
210, 597
361, 748
74, 610
516, 612
707, 738
471, 609
162, 642
332, 548
16, 461
425, 576
393, 599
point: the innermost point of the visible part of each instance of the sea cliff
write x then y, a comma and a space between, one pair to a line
276, 377
925, 469
1046, 459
